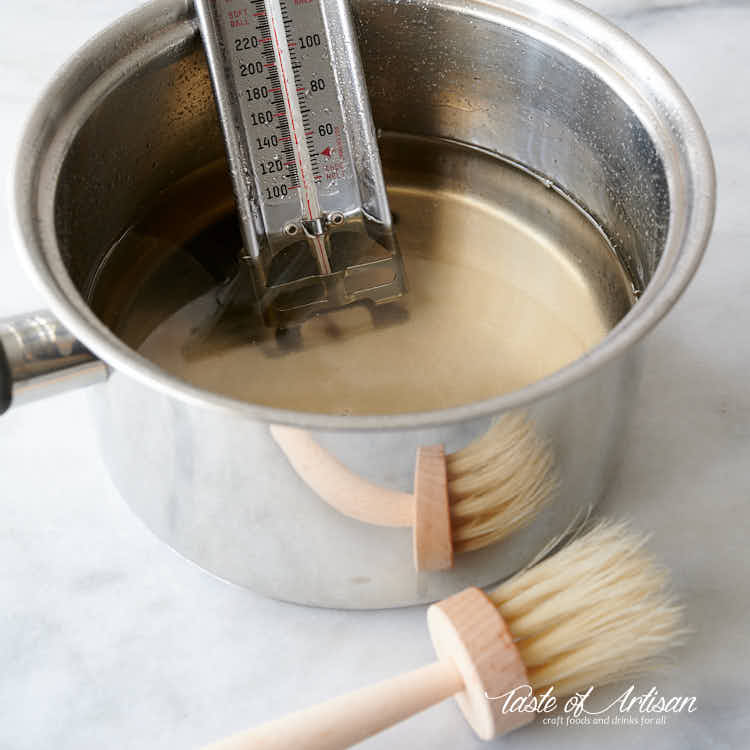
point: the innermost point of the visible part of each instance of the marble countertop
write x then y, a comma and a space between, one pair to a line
109, 639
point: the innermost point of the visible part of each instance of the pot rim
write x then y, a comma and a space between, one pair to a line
617, 57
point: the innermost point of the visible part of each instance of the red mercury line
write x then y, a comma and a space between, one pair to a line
318, 242
289, 113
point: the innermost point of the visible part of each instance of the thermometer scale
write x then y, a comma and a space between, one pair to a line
303, 155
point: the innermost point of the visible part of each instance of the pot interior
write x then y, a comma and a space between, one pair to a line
456, 105
509, 282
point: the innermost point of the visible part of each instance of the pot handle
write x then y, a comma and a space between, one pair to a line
39, 357
6, 386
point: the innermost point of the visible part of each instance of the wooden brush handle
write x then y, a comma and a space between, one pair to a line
427, 511
344, 721
341, 488
478, 660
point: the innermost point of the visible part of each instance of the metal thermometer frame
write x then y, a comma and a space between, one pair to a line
354, 199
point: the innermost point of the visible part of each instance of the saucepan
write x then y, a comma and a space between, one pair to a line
250, 492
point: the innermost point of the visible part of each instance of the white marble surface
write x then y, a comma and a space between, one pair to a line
109, 639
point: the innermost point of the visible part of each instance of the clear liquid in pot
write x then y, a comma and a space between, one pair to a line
509, 281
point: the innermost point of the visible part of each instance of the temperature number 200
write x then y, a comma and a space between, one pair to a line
251, 68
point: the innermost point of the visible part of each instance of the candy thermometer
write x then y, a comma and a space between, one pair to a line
303, 155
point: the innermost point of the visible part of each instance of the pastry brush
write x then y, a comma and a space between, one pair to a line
461, 501
594, 612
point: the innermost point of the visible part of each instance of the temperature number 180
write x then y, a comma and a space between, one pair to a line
258, 92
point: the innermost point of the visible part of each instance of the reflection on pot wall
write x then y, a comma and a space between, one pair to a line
222, 492
461, 501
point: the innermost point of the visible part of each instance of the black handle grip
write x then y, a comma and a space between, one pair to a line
6, 382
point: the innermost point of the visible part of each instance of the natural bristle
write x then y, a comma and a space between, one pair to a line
596, 611
498, 483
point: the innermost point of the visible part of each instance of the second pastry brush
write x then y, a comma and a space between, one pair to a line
594, 612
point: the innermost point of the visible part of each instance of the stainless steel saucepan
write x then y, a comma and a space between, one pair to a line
546, 84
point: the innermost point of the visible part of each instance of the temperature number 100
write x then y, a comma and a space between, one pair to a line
277, 191
309, 40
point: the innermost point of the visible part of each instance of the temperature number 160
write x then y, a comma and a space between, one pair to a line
261, 118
